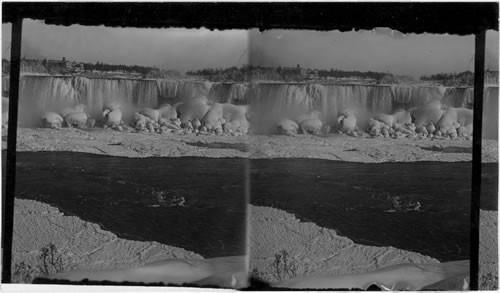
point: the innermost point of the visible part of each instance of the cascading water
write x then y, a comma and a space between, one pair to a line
180, 90
270, 102
234, 93
168, 88
459, 97
273, 102
411, 96
39, 94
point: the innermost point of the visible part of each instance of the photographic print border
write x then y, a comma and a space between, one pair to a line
435, 18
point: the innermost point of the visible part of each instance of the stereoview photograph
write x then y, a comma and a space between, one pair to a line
299, 159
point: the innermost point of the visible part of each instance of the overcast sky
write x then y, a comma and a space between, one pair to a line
379, 50
178, 49
183, 49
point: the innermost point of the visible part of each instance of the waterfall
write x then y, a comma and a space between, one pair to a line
181, 90
167, 88
234, 93
270, 102
189, 90
273, 102
39, 94
410, 96
459, 97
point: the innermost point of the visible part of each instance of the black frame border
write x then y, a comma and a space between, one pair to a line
405, 17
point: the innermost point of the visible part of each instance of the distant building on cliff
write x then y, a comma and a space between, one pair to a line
77, 66
296, 73
63, 65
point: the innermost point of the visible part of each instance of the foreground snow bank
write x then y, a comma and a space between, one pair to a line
77, 245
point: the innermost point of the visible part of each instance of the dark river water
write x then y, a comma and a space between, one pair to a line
199, 203
422, 206
196, 204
